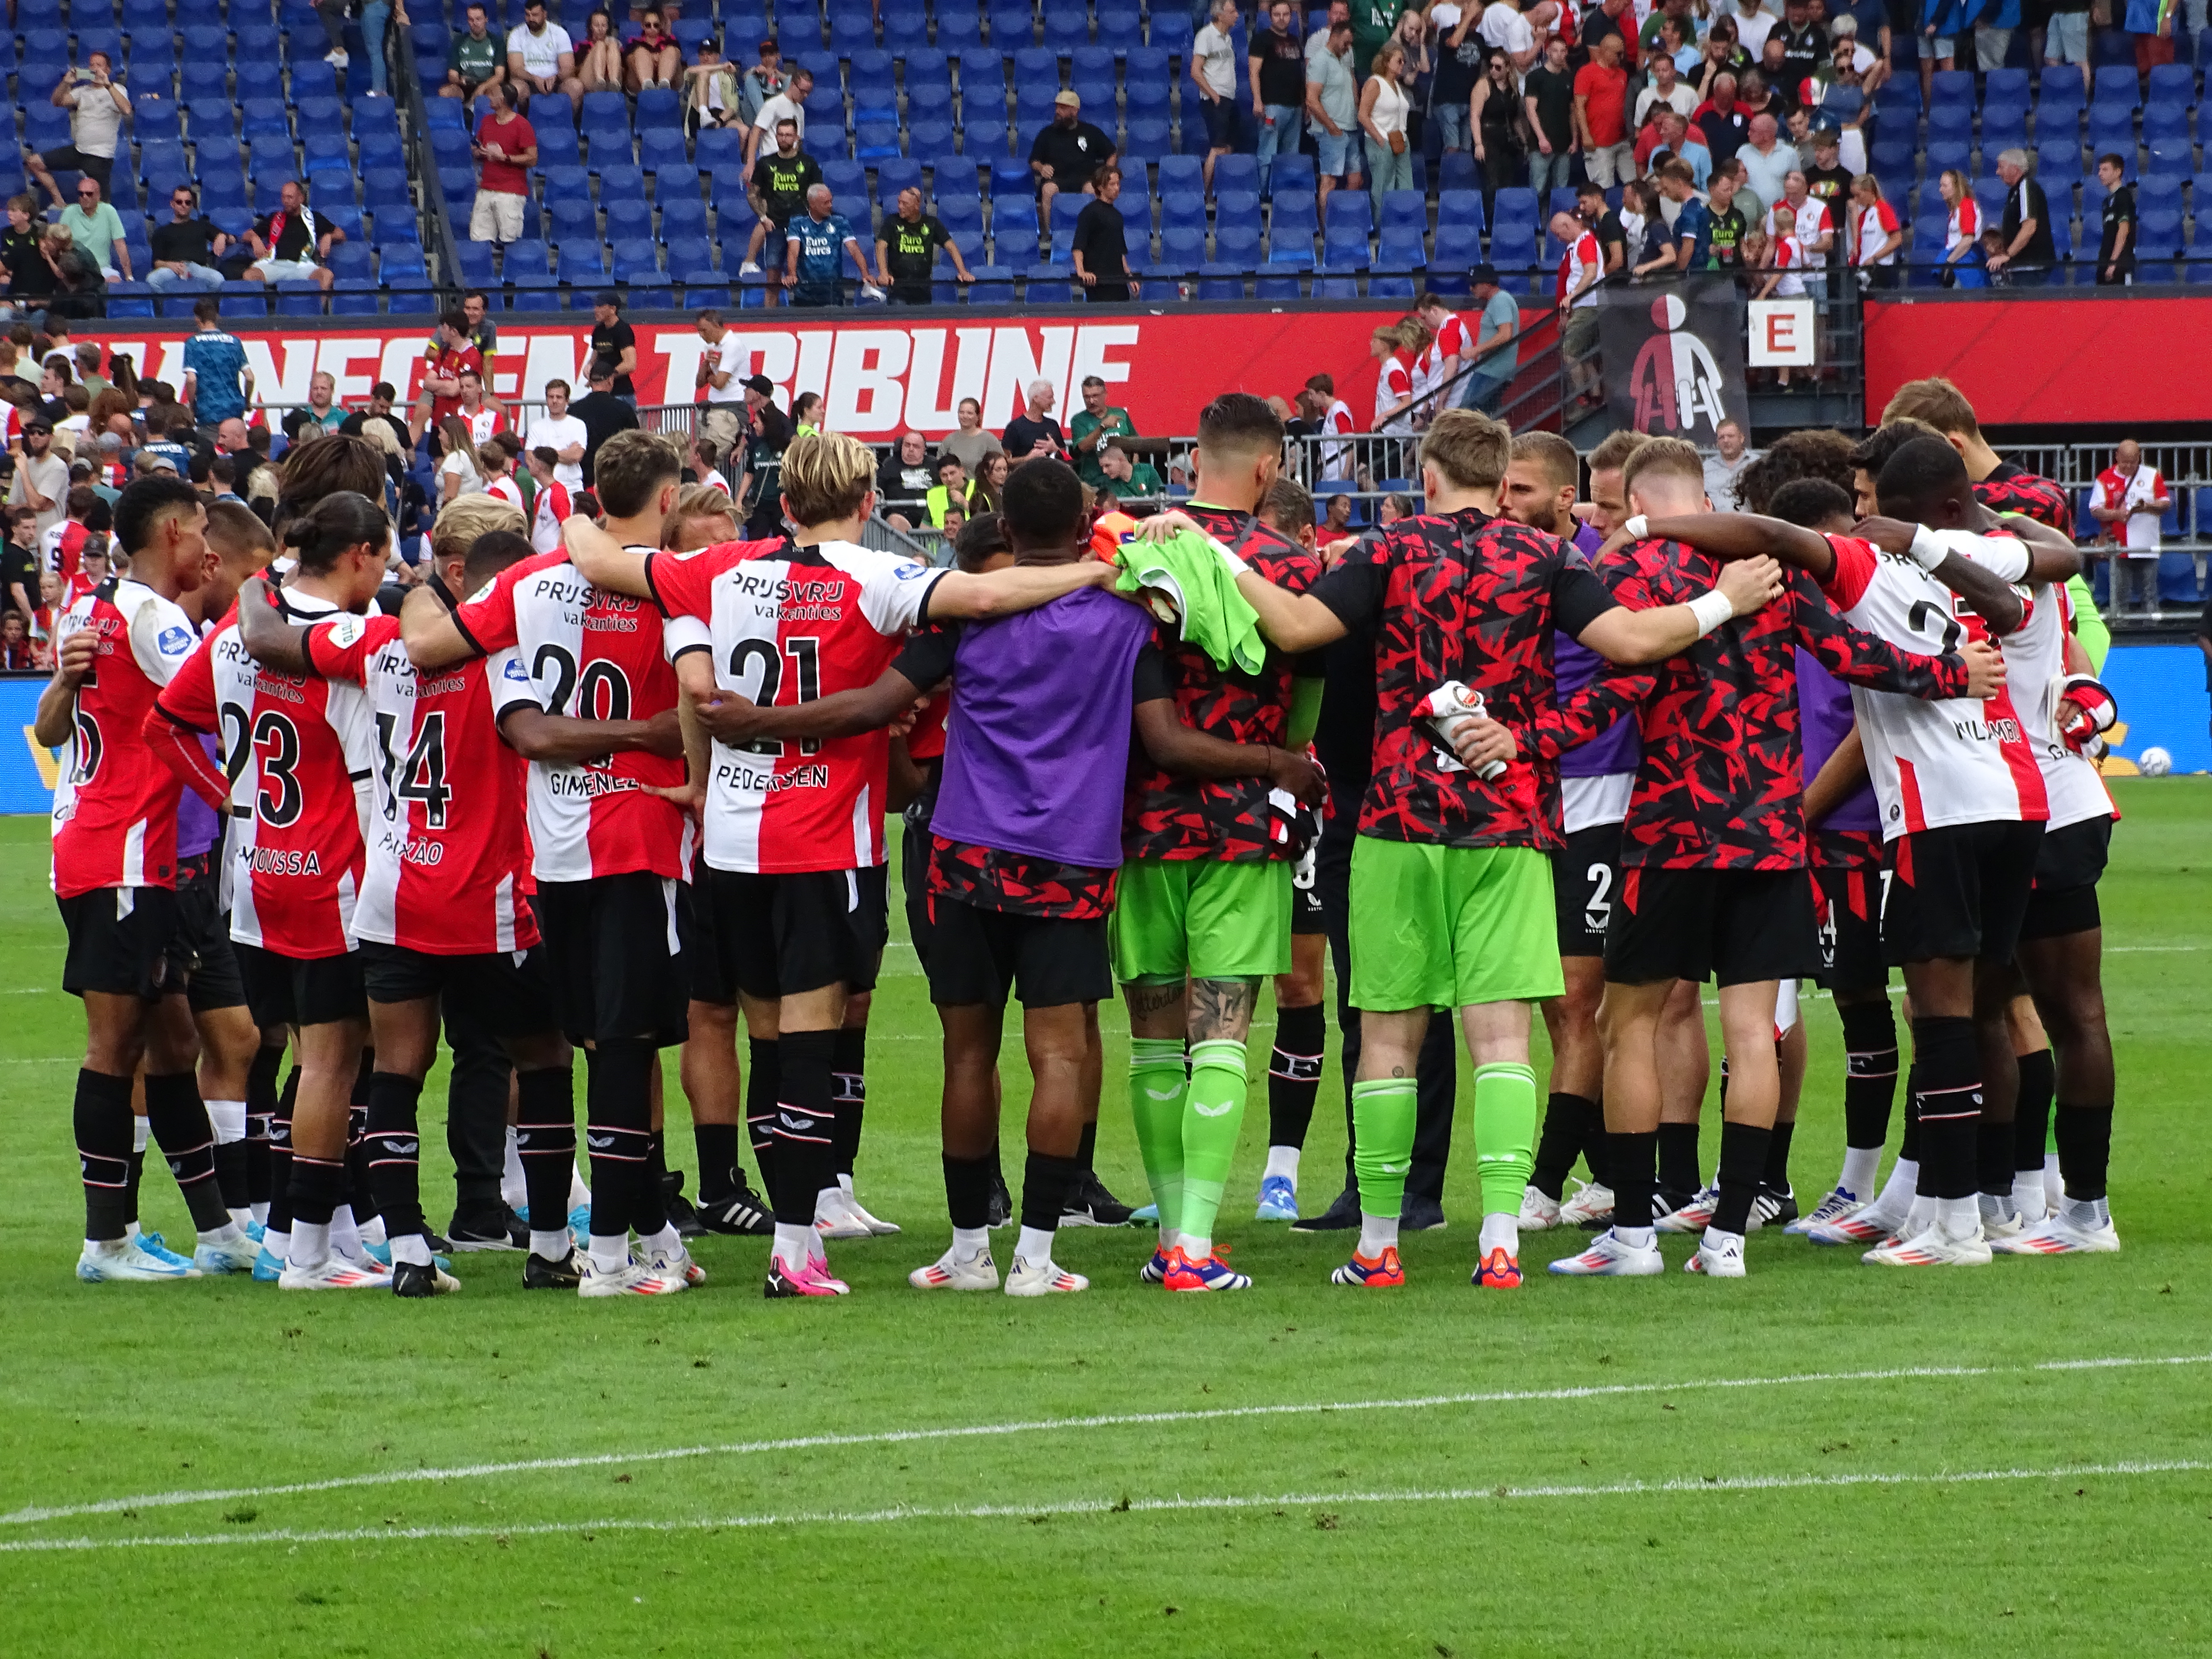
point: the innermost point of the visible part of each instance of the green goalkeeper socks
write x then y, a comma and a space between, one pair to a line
1504, 1130
1157, 1087
1213, 1113
1382, 1115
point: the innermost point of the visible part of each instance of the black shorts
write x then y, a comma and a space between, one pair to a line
507, 994
1849, 903
702, 963
203, 940
1307, 916
1733, 927
872, 924
1044, 962
122, 942
1960, 891
613, 956
2068, 868
1584, 875
67, 158
778, 935
282, 990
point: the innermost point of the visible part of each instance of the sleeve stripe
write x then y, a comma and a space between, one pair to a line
474, 646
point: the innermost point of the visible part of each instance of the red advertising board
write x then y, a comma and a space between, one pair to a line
2130, 360
878, 373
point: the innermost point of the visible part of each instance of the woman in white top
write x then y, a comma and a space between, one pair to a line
1876, 233
1964, 228
1383, 108
458, 475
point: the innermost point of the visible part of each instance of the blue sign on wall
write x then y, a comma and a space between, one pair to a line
28, 773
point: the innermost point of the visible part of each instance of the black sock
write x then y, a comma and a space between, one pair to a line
1632, 1159
967, 1190
360, 1192
618, 1117
545, 1141
1742, 1166
718, 1159
848, 1091
1294, 1073
1778, 1157
230, 1174
1566, 1127
260, 1107
104, 1133
1678, 1162
392, 1148
650, 1209
2085, 1148
280, 1156
1046, 1182
1087, 1148
1946, 1072
137, 1179
317, 1188
762, 1078
1594, 1141
178, 1121
1993, 1158
2031, 1116
1870, 1072
1909, 1145
805, 1125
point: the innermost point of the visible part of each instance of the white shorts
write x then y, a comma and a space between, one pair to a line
1611, 165
288, 271
496, 217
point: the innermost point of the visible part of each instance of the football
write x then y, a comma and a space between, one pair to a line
2154, 762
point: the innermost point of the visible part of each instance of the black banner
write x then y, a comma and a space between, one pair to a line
1674, 357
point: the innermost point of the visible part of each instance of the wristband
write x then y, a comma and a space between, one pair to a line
1235, 566
1928, 549
1711, 608
1638, 528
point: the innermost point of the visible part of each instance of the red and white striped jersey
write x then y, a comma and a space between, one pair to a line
59, 548
1452, 340
1958, 761
550, 511
504, 487
483, 423
786, 625
2035, 657
1583, 257
301, 752
1965, 225
583, 654
115, 803
445, 841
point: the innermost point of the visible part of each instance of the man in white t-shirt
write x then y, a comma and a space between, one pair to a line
1504, 28
1667, 87
789, 105
722, 377
558, 430
542, 59
1214, 73
1753, 23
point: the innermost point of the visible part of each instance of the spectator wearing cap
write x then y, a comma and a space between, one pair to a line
767, 430
761, 81
1494, 363
505, 146
41, 481
617, 341
1068, 151
710, 89
603, 411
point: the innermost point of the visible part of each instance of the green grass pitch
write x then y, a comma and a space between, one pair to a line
1294, 1470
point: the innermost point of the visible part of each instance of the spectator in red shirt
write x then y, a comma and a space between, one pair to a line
1601, 115
505, 145
441, 380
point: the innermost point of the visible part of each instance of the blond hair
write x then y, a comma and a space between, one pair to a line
1938, 403
1612, 455
1467, 448
696, 503
1552, 453
460, 522
826, 475
1667, 458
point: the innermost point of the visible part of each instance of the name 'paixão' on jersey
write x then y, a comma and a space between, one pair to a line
785, 625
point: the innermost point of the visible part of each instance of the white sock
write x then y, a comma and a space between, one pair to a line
1170, 1240
1898, 1192
1715, 1239
829, 1203
579, 1191
229, 1233
1377, 1233
1958, 1217
412, 1248
610, 1252
1635, 1238
794, 1244
346, 1236
1500, 1229
1994, 1208
1282, 1161
2087, 1213
279, 1245
1862, 1168
1196, 1247
373, 1232
1035, 1246
845, 1185
1919, 1217
108, 1246
311, 1245
241, 1220
2028, 1196
2054, 1187
514, 1189
140, 1136
260, 1213
969, 1242
550, 1246
228, 1119
666, 1239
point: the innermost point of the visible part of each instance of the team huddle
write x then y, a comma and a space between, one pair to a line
1519, 753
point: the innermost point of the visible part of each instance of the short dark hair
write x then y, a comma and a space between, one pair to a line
1921, 472
144, 502
948, 459
983, 538
206, 309
383, 389
1811, 501
1238, 419
493, 552
1873, 452
340, 521
454, 317
630, 466
1043, 502
223, 470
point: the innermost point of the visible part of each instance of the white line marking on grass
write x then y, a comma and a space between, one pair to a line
2141, 950
1089, 1506
33, 1515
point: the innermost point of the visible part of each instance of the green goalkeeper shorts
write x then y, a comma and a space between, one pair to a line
1446, 926
1202, 919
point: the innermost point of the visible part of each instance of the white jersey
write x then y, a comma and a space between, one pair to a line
1958, 760
2035, 656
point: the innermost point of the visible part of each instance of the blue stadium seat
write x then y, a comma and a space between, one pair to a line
662, 149
1236, 207
959, 24
1236, 171
1458, 207
1066, 24
1012, 25
2116, 88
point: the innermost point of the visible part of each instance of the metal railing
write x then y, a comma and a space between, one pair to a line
445, 266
